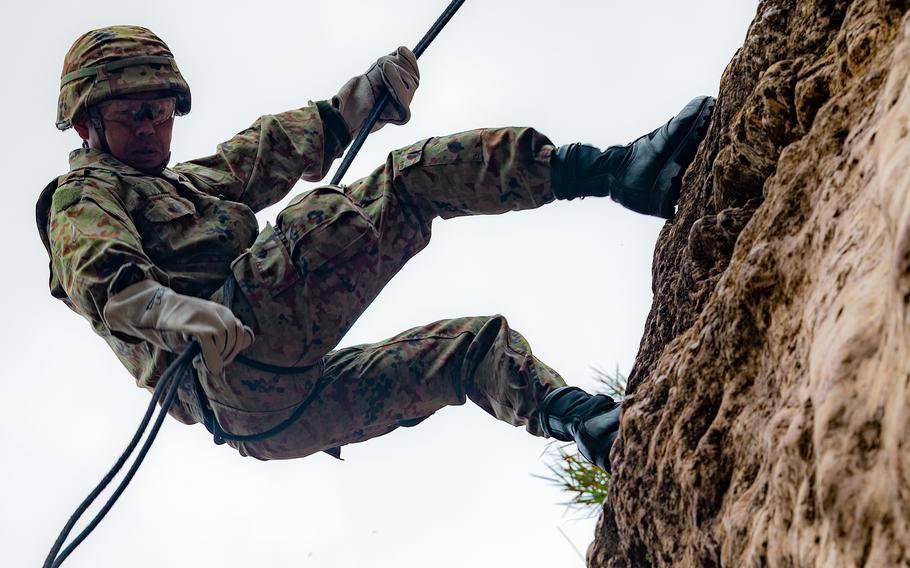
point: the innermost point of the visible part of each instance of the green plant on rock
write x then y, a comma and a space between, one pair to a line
586, 483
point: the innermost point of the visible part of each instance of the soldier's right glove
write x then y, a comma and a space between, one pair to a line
155, 313
396, 73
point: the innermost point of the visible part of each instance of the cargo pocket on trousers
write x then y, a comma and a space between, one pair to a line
323, 227
272, 260
443, 150
410, 155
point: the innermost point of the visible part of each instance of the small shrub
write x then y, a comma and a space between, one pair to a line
586, 483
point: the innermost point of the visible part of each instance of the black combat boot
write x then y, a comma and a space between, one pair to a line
644, 175
569, 414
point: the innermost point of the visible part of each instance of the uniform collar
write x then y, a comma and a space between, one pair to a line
83, 158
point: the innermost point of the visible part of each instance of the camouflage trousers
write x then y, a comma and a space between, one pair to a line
309, 277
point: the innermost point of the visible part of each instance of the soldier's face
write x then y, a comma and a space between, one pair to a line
144, 142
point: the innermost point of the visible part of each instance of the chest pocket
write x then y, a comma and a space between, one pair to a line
166, 226
164, 208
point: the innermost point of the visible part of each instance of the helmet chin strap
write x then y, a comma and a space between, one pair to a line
163, 165
98, 126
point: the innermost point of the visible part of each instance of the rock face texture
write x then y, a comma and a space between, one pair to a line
769, 416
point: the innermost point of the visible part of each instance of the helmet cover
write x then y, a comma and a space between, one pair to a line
116, 61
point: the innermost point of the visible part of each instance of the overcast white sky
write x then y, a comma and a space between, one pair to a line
573, 277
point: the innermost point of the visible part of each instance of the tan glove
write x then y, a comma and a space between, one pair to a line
397, 73
147, 310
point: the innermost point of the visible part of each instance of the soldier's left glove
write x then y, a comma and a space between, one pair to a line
396, 73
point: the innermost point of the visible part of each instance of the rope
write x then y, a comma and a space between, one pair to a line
167, 384
377, 109
170, 380
208, 416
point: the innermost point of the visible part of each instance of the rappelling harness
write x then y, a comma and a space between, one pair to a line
174, 377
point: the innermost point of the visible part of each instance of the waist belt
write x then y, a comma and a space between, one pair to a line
198, 402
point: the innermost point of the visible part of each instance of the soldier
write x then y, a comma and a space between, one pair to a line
156, 256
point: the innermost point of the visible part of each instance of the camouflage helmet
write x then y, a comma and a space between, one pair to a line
115, 61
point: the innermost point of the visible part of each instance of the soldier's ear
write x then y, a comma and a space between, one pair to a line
80, 125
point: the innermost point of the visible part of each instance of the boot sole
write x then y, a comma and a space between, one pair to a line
670, 177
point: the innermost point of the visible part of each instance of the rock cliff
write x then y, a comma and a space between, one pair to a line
770, 400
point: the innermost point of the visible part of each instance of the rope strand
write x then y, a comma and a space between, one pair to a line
167, 383
377, 110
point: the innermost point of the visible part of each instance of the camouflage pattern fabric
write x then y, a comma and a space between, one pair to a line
331, 251
375, 388
304, 280
115, 61
106, 225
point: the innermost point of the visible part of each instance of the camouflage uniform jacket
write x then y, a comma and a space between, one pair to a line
106, 225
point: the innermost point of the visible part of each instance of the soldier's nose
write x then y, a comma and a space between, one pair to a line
145, 127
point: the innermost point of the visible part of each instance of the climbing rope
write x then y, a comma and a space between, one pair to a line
170, 381
377, 109
167, 385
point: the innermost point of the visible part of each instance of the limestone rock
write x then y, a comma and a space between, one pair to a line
770, 398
